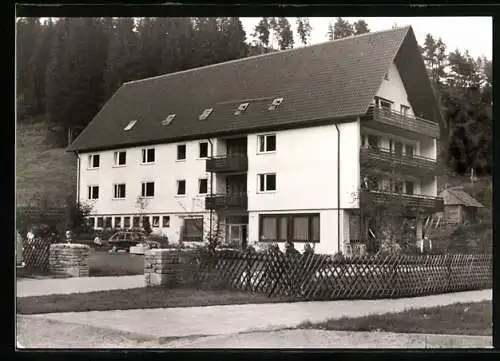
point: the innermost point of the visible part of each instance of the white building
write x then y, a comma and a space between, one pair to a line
275, 147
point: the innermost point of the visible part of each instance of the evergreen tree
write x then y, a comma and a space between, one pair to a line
304, 30
262, 32
434, 54
234, 37
331, 32
285, 34
28, 35
342, 29
58, 75
361, 27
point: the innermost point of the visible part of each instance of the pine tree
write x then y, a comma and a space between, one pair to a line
331, 32
262, 32
285, 34
361, 27
342, 29
304, 30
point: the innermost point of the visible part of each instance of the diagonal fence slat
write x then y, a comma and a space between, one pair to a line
321, 277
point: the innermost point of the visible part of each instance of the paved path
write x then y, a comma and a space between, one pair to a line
231, 319
333, 339
38, 287
41, 333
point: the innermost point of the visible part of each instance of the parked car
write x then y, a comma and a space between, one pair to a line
125, 240
19, 251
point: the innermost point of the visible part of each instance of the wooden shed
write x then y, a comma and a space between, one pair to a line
459, 206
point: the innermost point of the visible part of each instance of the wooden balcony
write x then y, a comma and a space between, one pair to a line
427, 203
227, 202
384, 159
412, 124
227, 164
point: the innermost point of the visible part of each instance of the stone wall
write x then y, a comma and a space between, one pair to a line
169, 267
69, 259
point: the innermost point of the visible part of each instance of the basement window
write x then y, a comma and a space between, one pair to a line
130, 125
206, 113
168, 119
275, 104
241, 108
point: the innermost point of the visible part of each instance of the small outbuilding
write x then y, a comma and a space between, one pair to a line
459, 206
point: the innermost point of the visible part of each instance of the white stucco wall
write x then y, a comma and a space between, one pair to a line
305, 163
394, 90
165, 172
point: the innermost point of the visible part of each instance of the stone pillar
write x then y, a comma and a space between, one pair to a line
420, 229
170, 267
160, 267
69, 259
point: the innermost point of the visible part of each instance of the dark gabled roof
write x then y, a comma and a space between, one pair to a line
456, 196
332, 80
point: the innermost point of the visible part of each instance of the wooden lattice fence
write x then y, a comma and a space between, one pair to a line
36, 253
315, 277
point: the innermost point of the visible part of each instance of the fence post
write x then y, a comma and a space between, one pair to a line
448, 259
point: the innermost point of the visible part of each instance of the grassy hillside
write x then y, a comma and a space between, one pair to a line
43, 170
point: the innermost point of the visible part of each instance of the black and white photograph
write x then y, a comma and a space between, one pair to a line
253, 182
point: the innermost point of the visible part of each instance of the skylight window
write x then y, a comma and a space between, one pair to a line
241, 108
130, 125
275, 104
168, 119
206, 113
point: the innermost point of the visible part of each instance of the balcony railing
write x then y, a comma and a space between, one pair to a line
429, 203
233, 201
227, 164
376, 157
410, 123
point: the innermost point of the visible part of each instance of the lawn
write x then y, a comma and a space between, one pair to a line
457, 319
137, 298
101, 263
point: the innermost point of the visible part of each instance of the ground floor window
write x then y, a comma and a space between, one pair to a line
193, 229
108, 222
91, 222
156, 221
100, 222
126, 222
118, 222
166, 221
136, 222
289, 227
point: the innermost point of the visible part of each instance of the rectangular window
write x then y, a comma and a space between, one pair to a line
373, 141
165, 222
181, 187
203, 186
203, 150
300, 228
108, 222
119, 191
409, 150
267, 182
193, 229
118, 222
126, 222
100, 222
409, 187
91, 222
94, 161
156, 221
93, 192
148, 155
267, 143
398, 148
145, 221
136, 222
148, 189
405, 110
293, 227
398, 187
181, 152
120, 158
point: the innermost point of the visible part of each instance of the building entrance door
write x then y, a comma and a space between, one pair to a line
237, 235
